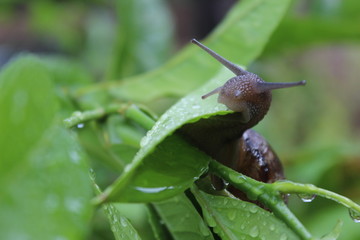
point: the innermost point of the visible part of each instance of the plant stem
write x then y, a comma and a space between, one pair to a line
129, 110
291, 187
134, 113
81, 117
261, 191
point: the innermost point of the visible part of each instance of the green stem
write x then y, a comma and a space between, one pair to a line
81, 117
140, 117
129, 110
298, 188
261, 191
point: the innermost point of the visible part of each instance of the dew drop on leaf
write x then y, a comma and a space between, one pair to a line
123, 222
254, 232
76, 114
306, 197
355, 215
272, 227
253, 209
283, 237
236, 178
232, 215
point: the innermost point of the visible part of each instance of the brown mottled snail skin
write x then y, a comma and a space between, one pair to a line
225, 138
258, 160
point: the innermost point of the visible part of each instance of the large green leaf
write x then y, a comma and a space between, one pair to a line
166, 164
240, 38
27, 109
44, 177
233, 219
182, 219
158, 170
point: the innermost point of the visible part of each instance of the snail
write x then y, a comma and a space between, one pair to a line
229, 138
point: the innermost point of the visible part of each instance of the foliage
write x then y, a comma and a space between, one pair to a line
57, 123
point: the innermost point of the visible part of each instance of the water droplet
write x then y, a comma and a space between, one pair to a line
114, 219
92, 174
272, 227
153, 190
226, 201
236, 178
253, 209
355, 215
76, 114
306, 197
80, 125
283, 237
232, 215
123, 222
75, 157
254, 232
74, 205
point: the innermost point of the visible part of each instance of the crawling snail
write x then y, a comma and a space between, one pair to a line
228, 138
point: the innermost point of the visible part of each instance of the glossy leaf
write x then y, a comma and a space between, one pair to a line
158, 170
182, 219
240, 38
234, 219
155, 172
43, 172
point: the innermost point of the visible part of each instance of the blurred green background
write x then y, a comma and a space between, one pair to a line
315, 130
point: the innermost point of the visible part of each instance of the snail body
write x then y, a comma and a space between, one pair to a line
222, 137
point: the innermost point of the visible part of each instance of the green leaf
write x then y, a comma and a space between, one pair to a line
158, 171
155, 172
92, 140
335, 232
159, 229
120, 226
240, 38
27, 108
44, 177
182, 219
234, 219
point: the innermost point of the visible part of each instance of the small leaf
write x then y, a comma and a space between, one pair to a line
182, 219
235, 219
120, 226
335, 233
